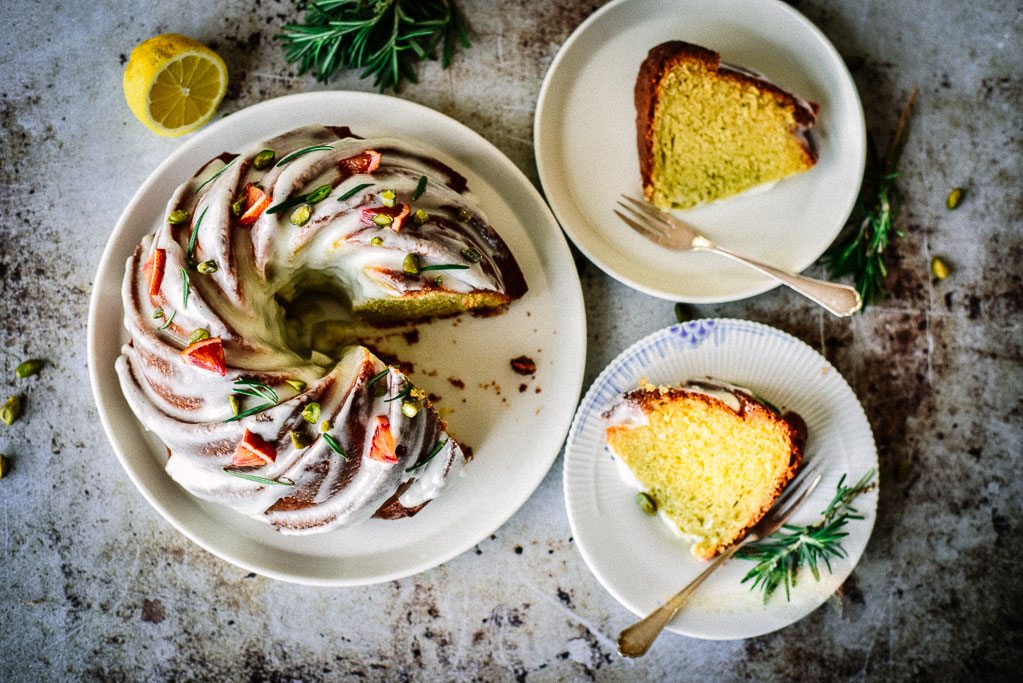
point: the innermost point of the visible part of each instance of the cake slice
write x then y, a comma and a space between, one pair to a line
711, 456
706, 131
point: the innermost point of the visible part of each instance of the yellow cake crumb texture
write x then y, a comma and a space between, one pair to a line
712, 471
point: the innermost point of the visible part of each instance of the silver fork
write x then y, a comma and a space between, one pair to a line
635, 640
673, 233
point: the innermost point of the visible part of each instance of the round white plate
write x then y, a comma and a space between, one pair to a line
515, 435
585, 142
636, 557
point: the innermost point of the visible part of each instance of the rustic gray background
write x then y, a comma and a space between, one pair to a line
95, 585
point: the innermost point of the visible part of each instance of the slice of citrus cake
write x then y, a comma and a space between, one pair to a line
706, 131
711, 456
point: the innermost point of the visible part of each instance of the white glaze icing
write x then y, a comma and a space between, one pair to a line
186, 406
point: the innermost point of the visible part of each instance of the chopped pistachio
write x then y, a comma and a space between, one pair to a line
300, 216
296, 384
387, 197
158, 312
311, 413
198, 336
464, 216
208, 267
233, 400
646, 503
471, 254
377, 241
326, 426
410, 265
411, 406
954, 199
29, 367
178, 216
300, 439
420, 217
383, 220
438, 280
238, 206
939, 268
683, 312
10, 410
264, 159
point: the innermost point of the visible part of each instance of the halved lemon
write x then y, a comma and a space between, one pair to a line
174, 84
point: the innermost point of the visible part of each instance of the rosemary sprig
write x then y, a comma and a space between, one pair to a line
357, 188
385, 38
444, 266
214, 176
256, 389
250, 387
780, 557
195, 232
420, 188
378, 376
250, 411
406, 390
185, 287
258, 480
170, 319
334, 445
306, 150
862, 252
429, 456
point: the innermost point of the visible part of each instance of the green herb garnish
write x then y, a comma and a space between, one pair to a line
862, 253
420, 188
401, 394
250, 411
436, 449
214, 176
256, 389
295, 155
380, 375
444, 266
184, 287
386, 38
357, 188
195, 232
334, 445
169, 321
287, 204
258, 480
780, 557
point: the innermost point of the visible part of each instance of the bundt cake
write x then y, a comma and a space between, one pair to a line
252, 418
707, 131
711, 456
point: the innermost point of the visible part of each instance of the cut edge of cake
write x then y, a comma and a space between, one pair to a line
634, 409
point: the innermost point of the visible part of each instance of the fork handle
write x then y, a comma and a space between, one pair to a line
842, 300
635, 640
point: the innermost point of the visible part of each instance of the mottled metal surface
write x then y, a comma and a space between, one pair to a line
96, 585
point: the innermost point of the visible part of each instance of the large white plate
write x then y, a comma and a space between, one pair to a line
515, 435
585, 141
636, 557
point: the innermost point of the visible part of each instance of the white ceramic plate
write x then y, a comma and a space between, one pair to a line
585, 141
515, 435
636, 557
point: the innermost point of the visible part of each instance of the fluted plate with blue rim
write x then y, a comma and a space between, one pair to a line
636, 557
